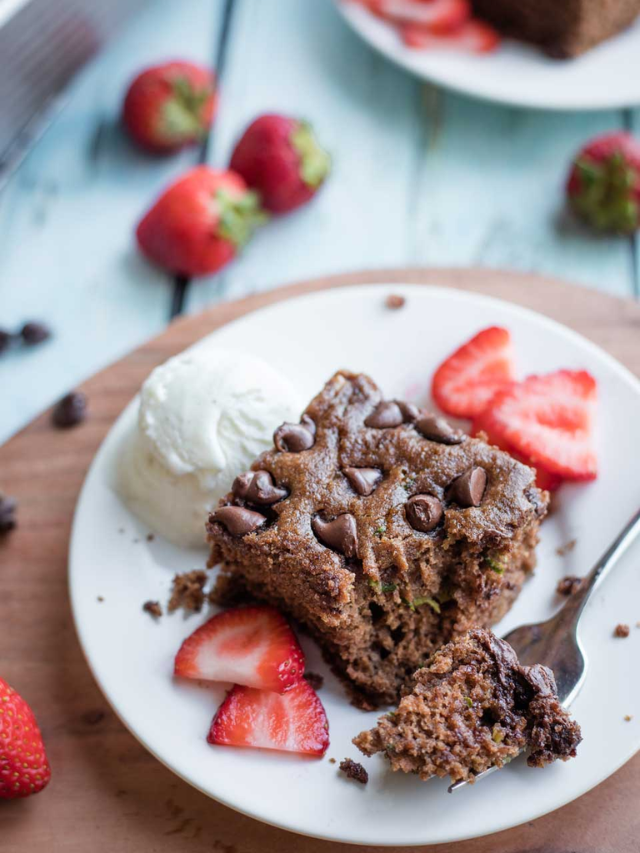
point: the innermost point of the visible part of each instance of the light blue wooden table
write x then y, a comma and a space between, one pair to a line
420, 176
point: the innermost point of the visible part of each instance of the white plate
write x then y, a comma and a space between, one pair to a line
607, 76
131, 655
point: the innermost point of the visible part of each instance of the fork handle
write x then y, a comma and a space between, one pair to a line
572, 610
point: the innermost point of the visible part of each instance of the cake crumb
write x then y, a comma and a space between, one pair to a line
569, 585
153, 608
150, 537
188, 591
628, 718
621, 630
567, 548
100, 599
332, 761
395, 301
355, 771
314, 680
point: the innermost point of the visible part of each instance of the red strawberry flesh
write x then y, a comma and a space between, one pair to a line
292, 722
24, 768
252, 646
466, 381
549, 419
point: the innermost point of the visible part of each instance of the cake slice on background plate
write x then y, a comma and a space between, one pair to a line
473, 707
380, 528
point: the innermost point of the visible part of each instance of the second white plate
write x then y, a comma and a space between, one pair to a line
606, 77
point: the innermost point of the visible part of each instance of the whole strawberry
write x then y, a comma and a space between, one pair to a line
24, 768
169, 106
200, 222
604, 183
280, 158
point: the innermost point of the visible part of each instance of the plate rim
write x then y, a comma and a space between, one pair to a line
457, 294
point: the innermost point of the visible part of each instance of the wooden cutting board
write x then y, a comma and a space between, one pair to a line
109, 794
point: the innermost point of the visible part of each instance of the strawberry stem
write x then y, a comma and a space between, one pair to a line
182, 113
239, 216
315, 163
606, 197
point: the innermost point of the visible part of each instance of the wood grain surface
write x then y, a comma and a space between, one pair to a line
107, 793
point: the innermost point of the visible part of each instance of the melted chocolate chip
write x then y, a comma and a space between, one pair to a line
237, 520
440, 430
263, 491
241, 485
424, 512
410, 412
468, 489
341, 534
294, 438
384, 416
363, 480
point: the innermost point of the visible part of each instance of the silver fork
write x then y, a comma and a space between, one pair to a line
555, 643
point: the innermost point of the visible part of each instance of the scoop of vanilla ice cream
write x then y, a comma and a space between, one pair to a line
204, 416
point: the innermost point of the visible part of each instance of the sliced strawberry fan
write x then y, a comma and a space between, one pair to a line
292, 722
253, 646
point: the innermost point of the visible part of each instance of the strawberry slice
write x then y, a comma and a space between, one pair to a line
249, 645
473, 36
437, 16
484, 423
549, 419
465, 382
293, 722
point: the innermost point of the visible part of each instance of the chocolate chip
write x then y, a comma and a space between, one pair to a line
438, 429
294, 438
341, 534
308, 423
6, 339
424, 512
238, 520
7, 514
384, 416
394, 301
363, 480
258, 488
70, 411
35, 333
241, 484
468, 489
409, 411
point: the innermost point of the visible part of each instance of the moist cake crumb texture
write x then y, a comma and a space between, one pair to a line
381, 529
188, 591
473, 706
354, 770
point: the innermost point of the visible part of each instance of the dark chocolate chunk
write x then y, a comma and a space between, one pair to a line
238, 520
70, 411
35, 333
394, 301
363, 480
341, 534
438, 429
468, 489
263, 491
354, 770
5, 339
294, 438
410, 412
424, 512
386, 415
7, 513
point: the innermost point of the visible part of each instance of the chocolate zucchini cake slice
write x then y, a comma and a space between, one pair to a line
473, 706
381, 529
563, 29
